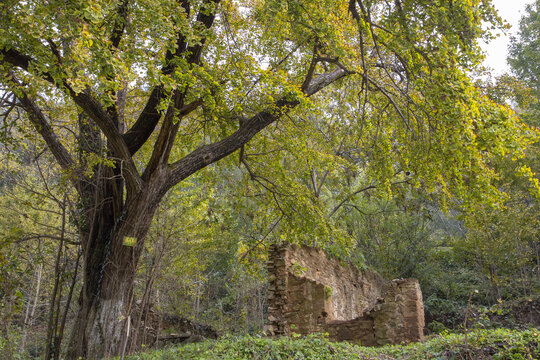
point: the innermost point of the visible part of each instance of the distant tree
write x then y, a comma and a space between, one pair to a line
524, 57
134, 96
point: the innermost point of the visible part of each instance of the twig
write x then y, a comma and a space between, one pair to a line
263, 238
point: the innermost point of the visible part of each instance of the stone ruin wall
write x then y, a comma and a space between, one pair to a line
310, 292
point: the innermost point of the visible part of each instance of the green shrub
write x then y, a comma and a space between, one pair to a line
480, 344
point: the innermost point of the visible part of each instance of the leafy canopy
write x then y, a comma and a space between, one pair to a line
403, 104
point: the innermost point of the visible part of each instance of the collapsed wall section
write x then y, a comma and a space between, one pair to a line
310, 292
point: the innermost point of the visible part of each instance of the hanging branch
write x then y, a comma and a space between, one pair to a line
350, 196
263, 238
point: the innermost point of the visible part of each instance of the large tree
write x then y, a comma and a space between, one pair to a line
524, 59
524, 50
133, 96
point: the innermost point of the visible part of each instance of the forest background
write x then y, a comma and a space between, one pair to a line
417, 171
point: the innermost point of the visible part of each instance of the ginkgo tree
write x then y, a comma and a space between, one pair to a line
132, 97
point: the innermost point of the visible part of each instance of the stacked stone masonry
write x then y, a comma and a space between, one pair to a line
310, 293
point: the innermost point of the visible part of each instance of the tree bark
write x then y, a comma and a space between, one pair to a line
110, 265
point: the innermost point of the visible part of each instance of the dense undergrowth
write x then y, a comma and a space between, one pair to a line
479, 344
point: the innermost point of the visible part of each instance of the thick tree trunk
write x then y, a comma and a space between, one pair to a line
109, 269
100, 324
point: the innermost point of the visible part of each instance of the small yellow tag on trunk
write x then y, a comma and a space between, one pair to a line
129, 241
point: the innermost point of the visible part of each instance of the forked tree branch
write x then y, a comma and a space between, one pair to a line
84, 99
171, 120
119, 147
149, 117
42, 126
95, 111
208, 154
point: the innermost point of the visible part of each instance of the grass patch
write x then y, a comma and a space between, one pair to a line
482, 344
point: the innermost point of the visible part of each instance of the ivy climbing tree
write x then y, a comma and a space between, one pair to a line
132, 97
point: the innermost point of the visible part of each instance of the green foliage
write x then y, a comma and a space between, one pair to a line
30, 189
418, 110
488, 344
407, 120
394, 236
200, 232
524, 57
328, 291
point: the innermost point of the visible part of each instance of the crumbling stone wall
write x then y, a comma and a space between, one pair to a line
310, 292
